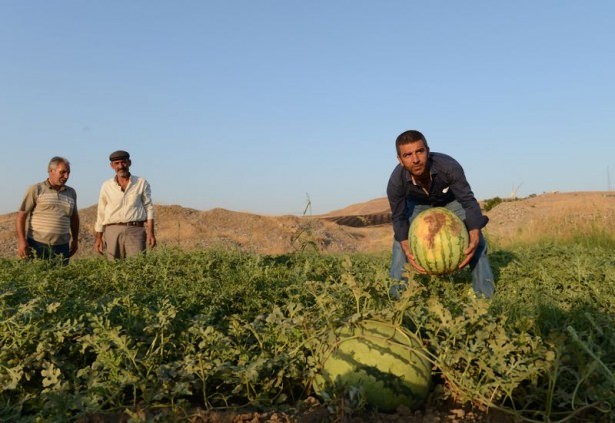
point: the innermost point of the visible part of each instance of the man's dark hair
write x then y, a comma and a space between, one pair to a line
409, 137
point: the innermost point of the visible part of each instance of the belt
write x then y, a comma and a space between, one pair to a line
138, 223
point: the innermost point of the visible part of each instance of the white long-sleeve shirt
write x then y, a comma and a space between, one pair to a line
117, 206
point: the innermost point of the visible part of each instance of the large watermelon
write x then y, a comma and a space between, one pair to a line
438, 239
385, 362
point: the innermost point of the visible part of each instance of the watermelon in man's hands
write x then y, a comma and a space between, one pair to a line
438, 239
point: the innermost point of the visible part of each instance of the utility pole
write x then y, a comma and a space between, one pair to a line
308, 205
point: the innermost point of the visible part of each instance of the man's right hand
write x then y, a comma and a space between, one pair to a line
406, 249
22, 249
98, 245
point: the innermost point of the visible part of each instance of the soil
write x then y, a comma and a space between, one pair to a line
312, 411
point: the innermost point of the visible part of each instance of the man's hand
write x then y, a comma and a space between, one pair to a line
472, 246
23, 251
151, 240
74, 246
98, 243
149, 233
406, 249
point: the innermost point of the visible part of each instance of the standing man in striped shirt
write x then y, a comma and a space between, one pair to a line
48, 219
125, 217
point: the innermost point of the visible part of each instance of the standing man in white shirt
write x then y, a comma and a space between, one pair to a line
125, 218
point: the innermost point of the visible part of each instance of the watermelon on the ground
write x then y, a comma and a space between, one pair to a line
387, 363
438, 239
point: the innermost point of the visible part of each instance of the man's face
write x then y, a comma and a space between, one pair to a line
413, 157
59, 175
121, 167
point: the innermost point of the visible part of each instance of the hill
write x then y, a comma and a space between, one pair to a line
363, 227
187, 228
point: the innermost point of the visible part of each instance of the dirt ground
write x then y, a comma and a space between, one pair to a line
313, 412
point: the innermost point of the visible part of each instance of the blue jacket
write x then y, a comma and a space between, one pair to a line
448, 183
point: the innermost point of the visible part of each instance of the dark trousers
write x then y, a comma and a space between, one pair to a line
46, 251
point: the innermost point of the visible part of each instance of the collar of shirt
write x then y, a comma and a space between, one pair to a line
48, 184
130, 181
418, 184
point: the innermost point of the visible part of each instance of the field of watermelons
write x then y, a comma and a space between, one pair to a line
185, 336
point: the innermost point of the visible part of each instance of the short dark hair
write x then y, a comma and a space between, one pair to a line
409, 137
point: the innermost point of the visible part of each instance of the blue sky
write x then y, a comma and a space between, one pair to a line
256, 105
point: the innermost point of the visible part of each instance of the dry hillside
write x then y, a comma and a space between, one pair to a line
361, 227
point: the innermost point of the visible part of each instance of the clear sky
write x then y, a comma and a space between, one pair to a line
254, 105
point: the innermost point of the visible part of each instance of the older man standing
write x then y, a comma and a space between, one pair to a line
125, 218
48, 219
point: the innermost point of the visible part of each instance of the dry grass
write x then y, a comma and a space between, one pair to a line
557, 217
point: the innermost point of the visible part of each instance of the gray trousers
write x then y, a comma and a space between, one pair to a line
122, 241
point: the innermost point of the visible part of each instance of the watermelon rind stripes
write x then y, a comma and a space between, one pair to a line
386, 362
438, 239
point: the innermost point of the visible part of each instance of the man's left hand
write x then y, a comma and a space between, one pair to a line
74, 246
151, 240
472, 246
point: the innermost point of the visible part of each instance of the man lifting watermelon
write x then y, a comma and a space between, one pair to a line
423, 180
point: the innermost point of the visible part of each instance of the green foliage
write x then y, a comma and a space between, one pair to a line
491, 203
216, 329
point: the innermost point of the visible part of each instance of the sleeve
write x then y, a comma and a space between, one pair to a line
463, 193
100, 210
147, 200
29, 200
396, 194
